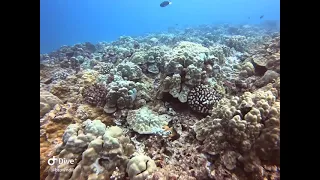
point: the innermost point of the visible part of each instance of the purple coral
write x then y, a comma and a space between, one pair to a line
95, 95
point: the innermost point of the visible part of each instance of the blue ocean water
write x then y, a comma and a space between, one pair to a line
66, 22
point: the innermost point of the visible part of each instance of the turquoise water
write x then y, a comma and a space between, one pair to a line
66, 22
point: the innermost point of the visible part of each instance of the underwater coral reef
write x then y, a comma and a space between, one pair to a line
192, 104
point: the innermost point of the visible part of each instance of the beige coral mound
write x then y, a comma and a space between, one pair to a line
268, 55
98, 150
69, 90
248, 125
47, 102
140, 167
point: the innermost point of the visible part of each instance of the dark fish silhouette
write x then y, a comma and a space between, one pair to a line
165, 3
261, 16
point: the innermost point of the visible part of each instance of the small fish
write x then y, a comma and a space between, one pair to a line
165, 3
248, 17
261, 16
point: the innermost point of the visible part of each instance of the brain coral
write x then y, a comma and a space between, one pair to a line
140, 167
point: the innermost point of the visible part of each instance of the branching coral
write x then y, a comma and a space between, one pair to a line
202, 98
95, 95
